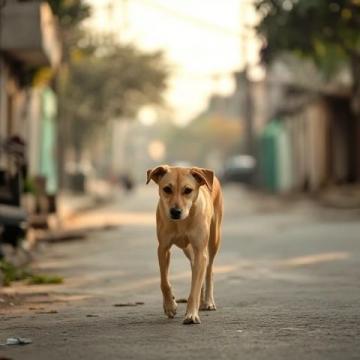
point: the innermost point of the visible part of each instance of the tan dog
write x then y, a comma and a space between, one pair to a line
189, 216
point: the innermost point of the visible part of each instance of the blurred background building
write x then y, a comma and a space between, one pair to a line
30, 50
95, 92
30, 54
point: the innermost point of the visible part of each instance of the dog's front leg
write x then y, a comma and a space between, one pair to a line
198, 273
169, 303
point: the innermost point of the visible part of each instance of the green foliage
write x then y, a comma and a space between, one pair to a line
112, 81
44, 279
70, 12
101, 79
207, 131
29, 186
12, 273
326, 31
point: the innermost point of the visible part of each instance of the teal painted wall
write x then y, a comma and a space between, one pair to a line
275, 157
48, 150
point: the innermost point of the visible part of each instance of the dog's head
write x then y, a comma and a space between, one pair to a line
179, 187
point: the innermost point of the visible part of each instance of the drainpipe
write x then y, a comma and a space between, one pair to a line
2, 5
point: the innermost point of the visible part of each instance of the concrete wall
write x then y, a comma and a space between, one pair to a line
308, 150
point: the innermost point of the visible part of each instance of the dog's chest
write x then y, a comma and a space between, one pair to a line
184, 232
180, 240
180, 236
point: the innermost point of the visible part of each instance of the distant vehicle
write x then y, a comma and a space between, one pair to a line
239, 168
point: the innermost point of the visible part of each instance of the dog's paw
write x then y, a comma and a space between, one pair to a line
191, 318
170, 307
208, 306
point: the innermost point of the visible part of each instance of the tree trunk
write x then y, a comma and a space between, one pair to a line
355, 105
355, 69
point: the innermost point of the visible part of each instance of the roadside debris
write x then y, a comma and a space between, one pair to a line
91, 315
47, 312
137, 303
17, 341
181, 301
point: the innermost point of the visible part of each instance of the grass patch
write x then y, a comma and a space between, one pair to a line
44, 279
12, 273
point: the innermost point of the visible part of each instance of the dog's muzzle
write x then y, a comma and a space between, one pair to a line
175, 213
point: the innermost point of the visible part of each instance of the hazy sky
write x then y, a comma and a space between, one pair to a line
201, 38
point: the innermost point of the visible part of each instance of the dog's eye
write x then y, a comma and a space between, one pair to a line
167, 189
187, 191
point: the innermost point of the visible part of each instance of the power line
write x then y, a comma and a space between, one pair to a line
195, 21
192, 19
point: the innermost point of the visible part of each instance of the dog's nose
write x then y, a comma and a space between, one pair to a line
175, 213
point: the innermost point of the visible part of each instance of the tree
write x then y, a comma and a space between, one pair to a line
100, 79
106, 82
327, 32
69, 12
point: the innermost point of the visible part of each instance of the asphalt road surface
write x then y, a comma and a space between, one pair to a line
286, 286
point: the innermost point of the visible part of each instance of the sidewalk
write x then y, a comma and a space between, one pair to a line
341, 197
70, 204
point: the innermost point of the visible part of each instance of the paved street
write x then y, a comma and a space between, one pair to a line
286, 286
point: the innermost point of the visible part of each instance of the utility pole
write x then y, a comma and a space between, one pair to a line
125, 16
248, 103
110, 15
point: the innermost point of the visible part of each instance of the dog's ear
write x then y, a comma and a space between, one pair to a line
157, 173
203, 176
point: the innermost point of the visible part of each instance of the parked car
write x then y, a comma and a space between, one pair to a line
239, 168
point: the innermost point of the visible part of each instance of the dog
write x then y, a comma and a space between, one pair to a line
189, 215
